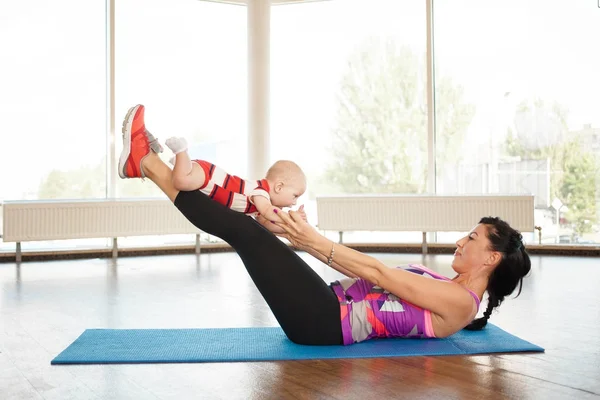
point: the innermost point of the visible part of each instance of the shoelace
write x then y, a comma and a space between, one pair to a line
154, 143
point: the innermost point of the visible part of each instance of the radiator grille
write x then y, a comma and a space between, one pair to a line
421, 213
36, 220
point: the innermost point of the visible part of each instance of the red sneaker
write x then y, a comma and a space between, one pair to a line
137, 143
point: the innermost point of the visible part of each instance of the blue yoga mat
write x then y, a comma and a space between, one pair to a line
132, 346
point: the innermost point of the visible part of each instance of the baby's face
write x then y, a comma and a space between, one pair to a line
286, 193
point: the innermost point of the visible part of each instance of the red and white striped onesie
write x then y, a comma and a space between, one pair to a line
230, 190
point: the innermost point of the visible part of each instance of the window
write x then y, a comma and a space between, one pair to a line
52, 99
186, 61
515, 109
348, 93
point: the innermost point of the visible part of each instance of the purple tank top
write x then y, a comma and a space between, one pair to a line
368, 311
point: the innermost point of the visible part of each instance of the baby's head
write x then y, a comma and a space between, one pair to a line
287, 182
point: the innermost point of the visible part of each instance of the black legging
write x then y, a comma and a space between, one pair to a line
303, 304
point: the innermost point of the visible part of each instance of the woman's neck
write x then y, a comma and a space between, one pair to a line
477, 284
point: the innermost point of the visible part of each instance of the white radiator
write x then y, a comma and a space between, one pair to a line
422, 213
56, 220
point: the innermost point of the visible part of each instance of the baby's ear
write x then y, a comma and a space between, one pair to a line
278, 186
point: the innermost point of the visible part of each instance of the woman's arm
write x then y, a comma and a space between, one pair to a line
269, 225
320, 257
333, 265
448, 300
279, 231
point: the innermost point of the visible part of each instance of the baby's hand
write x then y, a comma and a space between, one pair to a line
302, 213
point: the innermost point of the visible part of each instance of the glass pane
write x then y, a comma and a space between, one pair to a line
348, 96
185, 60
516, 108
52, 99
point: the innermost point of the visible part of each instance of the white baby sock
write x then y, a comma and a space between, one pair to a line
177, 144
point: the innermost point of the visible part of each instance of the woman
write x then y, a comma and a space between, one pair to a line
375, 300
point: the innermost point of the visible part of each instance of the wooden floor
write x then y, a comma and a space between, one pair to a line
45, 306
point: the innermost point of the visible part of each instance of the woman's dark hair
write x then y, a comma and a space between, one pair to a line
509, 273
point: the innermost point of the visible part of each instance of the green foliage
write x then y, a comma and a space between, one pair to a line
90, 182
574, 168
578, 187
78, 183
380, 141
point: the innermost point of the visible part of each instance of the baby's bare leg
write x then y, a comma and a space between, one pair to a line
187, 175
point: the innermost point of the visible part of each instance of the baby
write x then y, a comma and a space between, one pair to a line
281, 187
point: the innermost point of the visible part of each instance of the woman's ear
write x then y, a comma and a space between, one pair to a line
494, 258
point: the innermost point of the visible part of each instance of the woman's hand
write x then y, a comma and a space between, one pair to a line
294, 243
298, 231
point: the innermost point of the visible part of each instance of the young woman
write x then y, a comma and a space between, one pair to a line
375, 300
